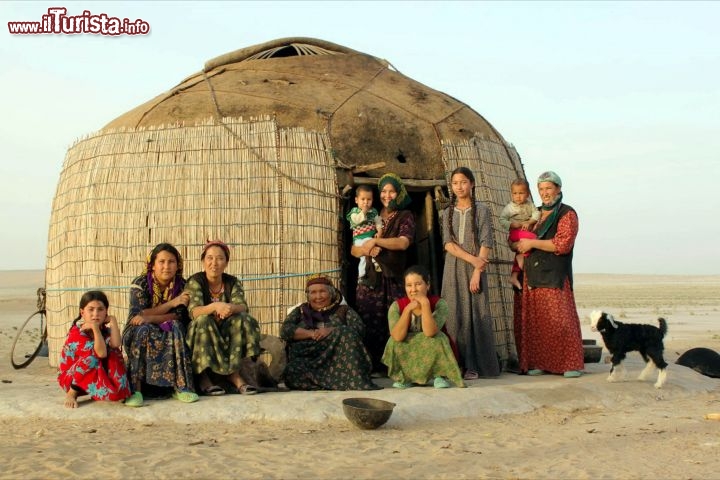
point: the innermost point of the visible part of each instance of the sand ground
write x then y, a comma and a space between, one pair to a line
511, 427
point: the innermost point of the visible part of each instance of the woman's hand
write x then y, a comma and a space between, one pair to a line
375, 251
367, 247
138, 320
223, 310
475, 281
321, 333
413, 305
182, 299
226, 310
479, 263
524, 245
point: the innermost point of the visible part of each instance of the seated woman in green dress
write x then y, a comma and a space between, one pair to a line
222, 335
417, 351
324, 342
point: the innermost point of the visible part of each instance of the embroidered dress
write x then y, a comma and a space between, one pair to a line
419, 358
156, 356
549, 336
469, 320
101, 378
220, 345
374, 299
336, 362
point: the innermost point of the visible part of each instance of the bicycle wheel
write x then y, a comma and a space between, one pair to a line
28, 341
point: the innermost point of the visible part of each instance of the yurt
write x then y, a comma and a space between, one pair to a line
262, 149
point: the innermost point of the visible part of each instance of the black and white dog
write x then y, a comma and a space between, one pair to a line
621, 338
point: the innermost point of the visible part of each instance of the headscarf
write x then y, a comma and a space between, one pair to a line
403, 199
310, 316
550, 176
216, 243
554, 206
173, 289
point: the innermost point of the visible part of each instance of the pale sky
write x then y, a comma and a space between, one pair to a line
621, 99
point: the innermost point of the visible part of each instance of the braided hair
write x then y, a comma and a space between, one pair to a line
467, 173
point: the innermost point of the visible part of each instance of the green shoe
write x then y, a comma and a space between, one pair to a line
572, 374
535, 372
185, 396
134, 400
441, 382
401, 385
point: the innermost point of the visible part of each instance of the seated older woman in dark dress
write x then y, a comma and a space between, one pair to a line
325, 347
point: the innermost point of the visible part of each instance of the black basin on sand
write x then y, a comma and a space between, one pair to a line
367, 413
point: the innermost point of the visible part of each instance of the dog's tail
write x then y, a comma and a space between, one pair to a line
663, 326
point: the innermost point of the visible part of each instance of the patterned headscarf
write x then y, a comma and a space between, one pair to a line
317, 279
403, 199
311, 317
216, 243
176, 284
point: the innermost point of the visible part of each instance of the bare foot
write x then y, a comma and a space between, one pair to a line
71, 399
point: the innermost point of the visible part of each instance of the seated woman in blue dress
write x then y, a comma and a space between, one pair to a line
154, 335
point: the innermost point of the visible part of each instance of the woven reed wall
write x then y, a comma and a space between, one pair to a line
495, 165
265, 191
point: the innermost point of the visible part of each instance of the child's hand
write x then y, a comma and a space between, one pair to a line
525, 225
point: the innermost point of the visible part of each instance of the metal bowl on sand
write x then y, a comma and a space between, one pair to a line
367, 413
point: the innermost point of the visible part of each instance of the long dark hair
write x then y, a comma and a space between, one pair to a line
91, 296
467, 173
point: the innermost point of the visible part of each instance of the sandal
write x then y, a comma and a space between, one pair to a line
402, 385
185, 396
247, 389
471, 375
535, 372
213, 391
572, 374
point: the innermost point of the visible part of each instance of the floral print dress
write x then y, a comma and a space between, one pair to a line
81, 368
337, 362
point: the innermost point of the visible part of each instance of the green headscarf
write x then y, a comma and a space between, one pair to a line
403, 199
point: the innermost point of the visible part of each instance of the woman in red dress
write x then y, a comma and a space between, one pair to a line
91, 362
549, 337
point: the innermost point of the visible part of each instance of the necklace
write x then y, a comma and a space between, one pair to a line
215, 294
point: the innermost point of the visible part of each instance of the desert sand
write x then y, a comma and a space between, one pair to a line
512, 427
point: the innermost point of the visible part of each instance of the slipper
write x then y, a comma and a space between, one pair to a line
185, 396
213, 391
134, 400
535, 372
402, 385
471, 375
441, 382
572, 374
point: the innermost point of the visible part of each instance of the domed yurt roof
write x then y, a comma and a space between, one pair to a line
260, 149
371, 113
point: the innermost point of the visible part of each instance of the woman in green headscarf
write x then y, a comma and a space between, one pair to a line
548, 336
383, 284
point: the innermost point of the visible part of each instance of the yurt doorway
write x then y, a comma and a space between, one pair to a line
427, 249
